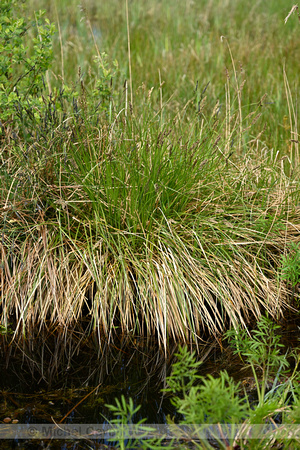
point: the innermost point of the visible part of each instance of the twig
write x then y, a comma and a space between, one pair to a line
294, 8
77, 404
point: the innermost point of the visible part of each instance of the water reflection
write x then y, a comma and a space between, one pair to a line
52, 377
44, 377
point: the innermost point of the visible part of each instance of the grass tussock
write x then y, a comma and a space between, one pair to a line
142, 217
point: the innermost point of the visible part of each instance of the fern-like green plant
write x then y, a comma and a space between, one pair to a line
215, 412
124, 412
261, 351
290, 271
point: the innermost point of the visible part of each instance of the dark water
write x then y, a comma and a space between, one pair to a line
43, 379
53, 379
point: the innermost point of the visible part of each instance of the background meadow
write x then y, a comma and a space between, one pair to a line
179, 44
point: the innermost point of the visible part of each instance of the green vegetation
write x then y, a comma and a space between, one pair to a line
216, 413
149, 176
291, 266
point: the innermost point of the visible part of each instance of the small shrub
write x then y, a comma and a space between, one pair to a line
23, 70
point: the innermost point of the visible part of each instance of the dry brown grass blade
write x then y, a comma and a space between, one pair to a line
171, 292
292, 11
77, 404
